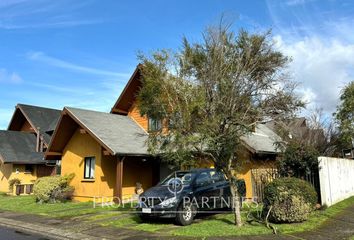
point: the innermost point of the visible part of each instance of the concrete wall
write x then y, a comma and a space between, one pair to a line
336, 179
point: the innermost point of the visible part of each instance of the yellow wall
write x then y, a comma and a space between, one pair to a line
79, 147
8, 172
83, 145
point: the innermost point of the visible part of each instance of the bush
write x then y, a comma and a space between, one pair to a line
53, 189
291, 199
12, 183
298, 160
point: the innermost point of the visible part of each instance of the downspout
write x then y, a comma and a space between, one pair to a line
38, 140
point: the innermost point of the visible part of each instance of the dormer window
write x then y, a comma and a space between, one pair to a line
154, 124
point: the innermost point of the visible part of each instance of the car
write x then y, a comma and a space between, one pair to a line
185, 193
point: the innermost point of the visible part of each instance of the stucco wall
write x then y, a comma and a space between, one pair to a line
336, 179
8, 172
79, 147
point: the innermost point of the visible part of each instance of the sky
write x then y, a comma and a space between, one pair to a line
82, 53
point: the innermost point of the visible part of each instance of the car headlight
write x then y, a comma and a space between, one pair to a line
168, 202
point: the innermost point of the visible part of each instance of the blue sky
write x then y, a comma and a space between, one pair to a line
81, 53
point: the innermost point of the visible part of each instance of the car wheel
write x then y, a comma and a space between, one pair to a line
185, 214
144, 218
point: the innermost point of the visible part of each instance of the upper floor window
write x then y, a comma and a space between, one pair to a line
28, 168
89, 171
154, 124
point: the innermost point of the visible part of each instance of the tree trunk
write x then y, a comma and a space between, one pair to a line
236, 201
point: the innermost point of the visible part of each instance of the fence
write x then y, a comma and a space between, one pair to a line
336, 179
261, 177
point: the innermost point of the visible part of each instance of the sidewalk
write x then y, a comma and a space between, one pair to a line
339, 227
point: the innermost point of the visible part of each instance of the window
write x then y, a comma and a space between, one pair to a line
217, 176
58, 167
154, 124
203, 179
28, 169
89, 172
174, 120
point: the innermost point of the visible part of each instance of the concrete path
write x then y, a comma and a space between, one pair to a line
339, 227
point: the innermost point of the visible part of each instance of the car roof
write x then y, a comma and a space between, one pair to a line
198, 170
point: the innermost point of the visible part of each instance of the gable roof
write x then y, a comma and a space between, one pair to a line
39, 117
128, 95
18, 147
263, 140
118, 134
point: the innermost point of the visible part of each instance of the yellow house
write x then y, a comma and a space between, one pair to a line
22, 147
108, 154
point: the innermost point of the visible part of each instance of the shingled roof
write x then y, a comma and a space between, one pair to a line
263, 140
118, 134
39, 117
18, 147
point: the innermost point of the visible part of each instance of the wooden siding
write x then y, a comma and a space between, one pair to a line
26, 127
134, 113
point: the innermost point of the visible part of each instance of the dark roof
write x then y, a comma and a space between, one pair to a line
18, 147
118, 134
41, 117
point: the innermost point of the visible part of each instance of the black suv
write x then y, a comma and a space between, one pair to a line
184, 193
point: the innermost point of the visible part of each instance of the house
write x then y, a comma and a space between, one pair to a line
108, 154
22, 147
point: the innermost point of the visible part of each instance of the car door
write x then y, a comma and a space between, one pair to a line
221, 189
203, 191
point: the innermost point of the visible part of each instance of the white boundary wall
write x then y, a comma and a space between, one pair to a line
336, 179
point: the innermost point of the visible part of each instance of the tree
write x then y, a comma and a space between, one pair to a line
210, 94
298, 160
345, 115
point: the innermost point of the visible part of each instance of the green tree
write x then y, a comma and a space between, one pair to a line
345, 114
212, 93
298, 160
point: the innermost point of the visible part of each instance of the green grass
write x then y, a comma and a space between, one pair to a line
214, 225
222, 225
27, 204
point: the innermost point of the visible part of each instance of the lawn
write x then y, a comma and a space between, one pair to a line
207, 226
27, 204
221, 225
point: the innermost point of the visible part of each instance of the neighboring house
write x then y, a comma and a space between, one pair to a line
22, 147
108, 154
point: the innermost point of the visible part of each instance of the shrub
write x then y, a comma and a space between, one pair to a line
53, 189
12, 183
291, 199
298, 160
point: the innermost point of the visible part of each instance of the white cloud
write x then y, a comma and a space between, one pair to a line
294, 2
9, 77
322, 67
42, 57
24, 14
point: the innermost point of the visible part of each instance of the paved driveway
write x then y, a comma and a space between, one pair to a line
11, 234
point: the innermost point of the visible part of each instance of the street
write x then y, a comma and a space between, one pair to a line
12, 234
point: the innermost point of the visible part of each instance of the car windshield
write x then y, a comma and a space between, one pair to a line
185, 177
